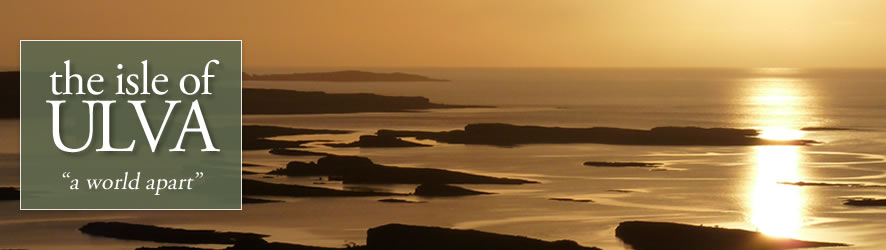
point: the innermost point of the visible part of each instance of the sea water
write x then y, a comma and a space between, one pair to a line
734, 187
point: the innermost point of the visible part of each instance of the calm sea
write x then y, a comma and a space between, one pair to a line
736, 187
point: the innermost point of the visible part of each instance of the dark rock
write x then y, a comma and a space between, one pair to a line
672, 236
263, 245
391, 200
253, 187
342, 76
511, 135
172, 248
9, 194
375, 141
620, 190
355, 169
434, 190
865, 202
571, 199
271, 101
127, 231
9, 97
622, 164
295, 152
828, 184
406, 237
248, 200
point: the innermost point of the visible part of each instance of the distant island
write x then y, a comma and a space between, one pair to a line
501, 134
342, 76
274, 101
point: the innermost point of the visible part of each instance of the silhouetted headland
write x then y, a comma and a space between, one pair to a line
443, 190
9, 97
255, 136
622, 164
355, 169
500, 134
643, 235
127, 231
342, 76
865, 202
273, 101
9, 194
253, 187
377, 141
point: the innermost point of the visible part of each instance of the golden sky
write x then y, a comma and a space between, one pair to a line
477, 33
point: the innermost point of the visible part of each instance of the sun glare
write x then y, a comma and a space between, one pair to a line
779, 108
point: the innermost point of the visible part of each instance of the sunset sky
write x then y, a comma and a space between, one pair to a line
470, 33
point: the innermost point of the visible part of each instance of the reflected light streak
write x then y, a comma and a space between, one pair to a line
779, 109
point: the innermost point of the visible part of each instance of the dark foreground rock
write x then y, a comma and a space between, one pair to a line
271, 101
376, 141
127, 231
865, 202
403, 237
500, 134
253, 187
387, 237
172, 248
355, 169
342, 76
9, 97
622, 164
443, 190
672, 236
9, 194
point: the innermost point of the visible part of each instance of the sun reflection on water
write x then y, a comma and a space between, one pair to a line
777, 209
779, 108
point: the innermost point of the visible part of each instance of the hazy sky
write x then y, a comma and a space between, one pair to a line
508, 33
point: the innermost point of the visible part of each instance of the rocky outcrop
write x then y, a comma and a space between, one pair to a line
376, 141
403, 237
643, 235
355, 169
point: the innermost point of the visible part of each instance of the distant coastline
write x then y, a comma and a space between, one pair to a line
342, 76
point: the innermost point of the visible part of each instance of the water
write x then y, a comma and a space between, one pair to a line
726, 186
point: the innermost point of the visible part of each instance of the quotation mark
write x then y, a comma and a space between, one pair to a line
199, 175
66, 175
